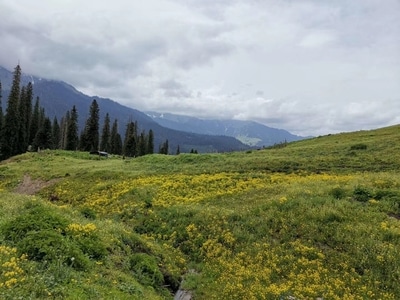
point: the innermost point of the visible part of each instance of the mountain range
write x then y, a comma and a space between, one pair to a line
57, 97
248, 132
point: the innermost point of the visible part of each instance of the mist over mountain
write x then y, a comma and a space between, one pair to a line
248, 132
57, 97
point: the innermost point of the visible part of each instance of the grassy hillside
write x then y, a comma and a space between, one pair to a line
314, 218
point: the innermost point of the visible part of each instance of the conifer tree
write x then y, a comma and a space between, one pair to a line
163, 149
116, 140
90, 135
82, 141
44, 136
106, 135
72, 131
178, 150
26, 106
64, 129
12, 121
141, 145
130, 142
21, 130
42, 117
25, 112
118, 144
56, 134
150, 142
166, 148
34, 122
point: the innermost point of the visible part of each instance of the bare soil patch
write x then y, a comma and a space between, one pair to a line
30, 186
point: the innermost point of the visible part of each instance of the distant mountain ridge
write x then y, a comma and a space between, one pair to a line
248, 132
57, 97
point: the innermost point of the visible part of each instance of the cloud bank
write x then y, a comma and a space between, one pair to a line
307, 66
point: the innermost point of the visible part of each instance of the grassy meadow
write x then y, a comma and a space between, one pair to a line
313, 219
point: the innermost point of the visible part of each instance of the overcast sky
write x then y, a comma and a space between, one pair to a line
311, 67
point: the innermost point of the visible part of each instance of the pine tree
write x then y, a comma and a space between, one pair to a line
164, 148
72, 131
26, 106
115, 140
56, 134
150, 142
22, 115
34, 122
130, 141
106, 135
64, 129
12, 121
44, 136
178, 150
83, 142
42, 116
118, 144
25, 112
141, 146
90, 135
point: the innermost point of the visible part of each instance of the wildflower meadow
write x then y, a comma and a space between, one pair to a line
316, 219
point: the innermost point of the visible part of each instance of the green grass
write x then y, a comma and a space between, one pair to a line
313, 218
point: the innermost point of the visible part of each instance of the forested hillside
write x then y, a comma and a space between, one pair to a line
56, 98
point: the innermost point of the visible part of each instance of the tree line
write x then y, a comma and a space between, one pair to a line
26, 127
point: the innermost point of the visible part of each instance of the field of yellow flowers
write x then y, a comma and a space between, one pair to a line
261, 235
317, 219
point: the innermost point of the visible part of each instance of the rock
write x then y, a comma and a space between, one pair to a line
183, 295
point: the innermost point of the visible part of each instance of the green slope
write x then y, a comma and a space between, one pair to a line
314, 218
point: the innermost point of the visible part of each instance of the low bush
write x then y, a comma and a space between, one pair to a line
37, 218
145, 268
45, 236
92, 246
359, 147
51, 246
88, 213
135, 243
338, 193
361, 194
386, 194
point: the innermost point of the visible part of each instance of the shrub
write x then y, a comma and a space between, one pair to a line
43, 235
51, 246
92, 246
361, 194
146, 269
88, 213
338, 193
36, 219
87, 239
386, 194
358, 147
135, 243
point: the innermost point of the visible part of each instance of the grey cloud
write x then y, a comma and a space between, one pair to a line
174, 89
296, 65
259, 93
201, 53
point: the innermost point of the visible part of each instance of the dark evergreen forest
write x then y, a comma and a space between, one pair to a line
24, 126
